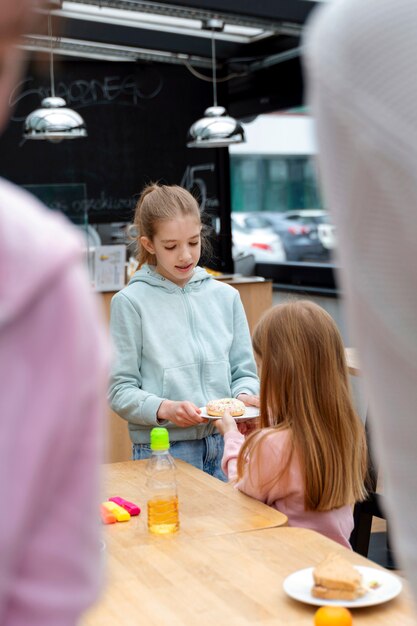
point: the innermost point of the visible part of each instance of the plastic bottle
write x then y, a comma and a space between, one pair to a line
163, 514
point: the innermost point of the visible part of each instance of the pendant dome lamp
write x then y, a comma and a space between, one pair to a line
216, 129
53, 121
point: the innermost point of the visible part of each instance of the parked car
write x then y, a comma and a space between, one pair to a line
316, 218
260, 240
300, 241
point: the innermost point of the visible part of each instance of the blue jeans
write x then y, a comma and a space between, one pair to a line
205, 454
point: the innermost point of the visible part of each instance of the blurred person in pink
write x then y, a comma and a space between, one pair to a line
360, 62
53, 359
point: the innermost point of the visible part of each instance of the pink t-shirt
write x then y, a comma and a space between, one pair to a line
287, 494
53, 371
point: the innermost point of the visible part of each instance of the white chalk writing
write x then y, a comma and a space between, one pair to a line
82, 93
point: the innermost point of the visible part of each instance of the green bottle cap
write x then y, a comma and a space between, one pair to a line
159, 439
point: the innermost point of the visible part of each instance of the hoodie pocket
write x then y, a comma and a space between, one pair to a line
198, 383
182, 383
217, 378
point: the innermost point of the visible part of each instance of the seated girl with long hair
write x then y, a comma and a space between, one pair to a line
308, 458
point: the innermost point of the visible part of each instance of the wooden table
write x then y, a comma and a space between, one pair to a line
208, 506
225, 580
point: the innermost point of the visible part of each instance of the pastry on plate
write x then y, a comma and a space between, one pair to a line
336, 579
216, 408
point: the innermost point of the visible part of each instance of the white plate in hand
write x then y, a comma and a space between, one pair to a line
251, 412
299, 584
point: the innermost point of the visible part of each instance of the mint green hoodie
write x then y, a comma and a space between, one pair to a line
174, 343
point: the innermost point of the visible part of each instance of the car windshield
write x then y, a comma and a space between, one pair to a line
306, 218
257, 222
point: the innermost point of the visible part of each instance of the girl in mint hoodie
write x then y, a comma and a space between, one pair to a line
181, 337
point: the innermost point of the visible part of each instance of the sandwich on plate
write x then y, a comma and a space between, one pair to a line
336, 579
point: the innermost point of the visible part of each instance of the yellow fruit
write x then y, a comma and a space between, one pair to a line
332, 616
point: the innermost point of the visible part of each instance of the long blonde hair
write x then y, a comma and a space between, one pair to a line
305, 390
158, 203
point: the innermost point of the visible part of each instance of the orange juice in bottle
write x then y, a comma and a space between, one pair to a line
162, 505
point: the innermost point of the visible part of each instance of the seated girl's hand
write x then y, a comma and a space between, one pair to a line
183, 413
226, 424
246, 427
248, 400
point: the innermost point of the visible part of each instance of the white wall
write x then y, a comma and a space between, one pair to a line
278, 134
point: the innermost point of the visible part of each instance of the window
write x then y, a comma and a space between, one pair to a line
275, 193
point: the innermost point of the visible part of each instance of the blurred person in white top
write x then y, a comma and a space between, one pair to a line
360, 61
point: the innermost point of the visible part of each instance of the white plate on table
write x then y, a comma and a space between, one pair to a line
299, 584
251, 412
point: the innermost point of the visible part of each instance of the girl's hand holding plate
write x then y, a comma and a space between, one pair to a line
246, 427
248, 400
183, 413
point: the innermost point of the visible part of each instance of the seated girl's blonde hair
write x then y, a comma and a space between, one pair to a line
158, 203
305, 389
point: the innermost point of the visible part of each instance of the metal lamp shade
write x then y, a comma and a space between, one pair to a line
215, 130
54, 122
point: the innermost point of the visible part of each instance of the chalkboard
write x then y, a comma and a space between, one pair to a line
137, 117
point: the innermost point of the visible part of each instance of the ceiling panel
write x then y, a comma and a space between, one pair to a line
255, 38
252, 30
